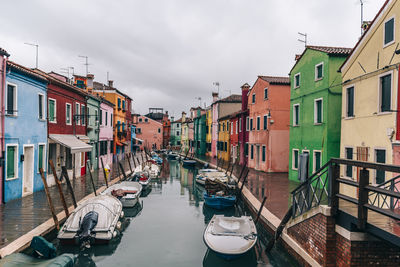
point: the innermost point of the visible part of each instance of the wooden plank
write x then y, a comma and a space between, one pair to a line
53, 169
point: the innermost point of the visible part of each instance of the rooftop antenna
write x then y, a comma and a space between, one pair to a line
37, 52
198, 98
65, 70
217, 85
73, 70
108, 74
362, 15
86, 63
304, 40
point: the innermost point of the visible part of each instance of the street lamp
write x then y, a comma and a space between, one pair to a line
37, 52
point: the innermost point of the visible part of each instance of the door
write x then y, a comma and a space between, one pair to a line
257, 157
28, 169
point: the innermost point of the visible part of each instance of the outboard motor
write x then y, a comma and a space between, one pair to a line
84, 234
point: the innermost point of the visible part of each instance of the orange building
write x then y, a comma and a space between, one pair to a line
268, 124
119, 99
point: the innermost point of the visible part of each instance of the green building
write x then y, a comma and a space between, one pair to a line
200, 132
93, 130
176, 130
315, 106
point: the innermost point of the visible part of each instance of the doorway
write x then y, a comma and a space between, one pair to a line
28, 169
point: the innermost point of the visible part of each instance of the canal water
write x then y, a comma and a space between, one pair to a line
166, 229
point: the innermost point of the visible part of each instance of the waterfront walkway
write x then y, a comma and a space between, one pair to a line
17, 217
275, 186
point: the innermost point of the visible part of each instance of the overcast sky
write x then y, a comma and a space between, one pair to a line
166, 53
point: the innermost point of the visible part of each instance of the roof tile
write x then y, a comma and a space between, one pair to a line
275, 80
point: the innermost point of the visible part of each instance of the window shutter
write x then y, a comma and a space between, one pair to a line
319, 111
389, 31
317, 160
385, 93
10, 162
10, 99
350, 102
51, 110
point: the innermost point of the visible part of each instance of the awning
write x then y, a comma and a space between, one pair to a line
83, 138
140, 140
72, 142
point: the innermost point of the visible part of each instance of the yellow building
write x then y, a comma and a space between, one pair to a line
116, 97
369, 94
208, 131
223, 144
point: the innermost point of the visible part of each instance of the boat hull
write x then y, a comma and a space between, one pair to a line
218, 202
188, 163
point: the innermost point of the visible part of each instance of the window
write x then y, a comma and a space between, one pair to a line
380, 157
349, 155
123, 104
253, 98
227, 126
140, 119
225, 146
159, 130
118, 126
295, 159
101, 117
223, 126
247, 124
119, 103
350, 102
265, 122
138, 130
258, 123
107, 118
297, 80
266, 93
96, 116
12, 162
68, 114
231, 127
296, 114
52, 110
389, 32
11, 100
246, 149
146, 120
83, 114
41, 156
240, 125
77, 112
317, 160
319, 71
318, 111
237, 124
41, 107
111, 119
177, 133
82, 159
263, 153
385, 92
251, 124
252, 152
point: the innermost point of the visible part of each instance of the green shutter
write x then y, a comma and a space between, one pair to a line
263, 153
389, 31
317, 160
319, 111
319, 72
380, 158
40, 159
296, 159
10, 162
51, 110
386, 92
10, 99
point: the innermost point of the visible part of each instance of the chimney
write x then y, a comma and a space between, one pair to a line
183, 116
245, 90
215, 96
90, 78
110, 83
297, 56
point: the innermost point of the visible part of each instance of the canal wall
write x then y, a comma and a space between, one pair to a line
315, 239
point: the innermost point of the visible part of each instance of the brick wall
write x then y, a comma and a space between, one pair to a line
317, 236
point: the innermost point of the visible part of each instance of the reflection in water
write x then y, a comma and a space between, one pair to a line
166, 229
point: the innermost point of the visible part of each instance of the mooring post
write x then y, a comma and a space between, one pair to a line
71, 190
118, 172
141, 154
46, 188
53, 169
260, 210
129, 162
243, 183
363, 199
104, 172
241, 173
133, 159
91, 177
333, 174
122, 170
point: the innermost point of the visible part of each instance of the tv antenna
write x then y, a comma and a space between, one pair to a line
362, 15
198, 98
304, 36
86, 63
37, 52
217, 85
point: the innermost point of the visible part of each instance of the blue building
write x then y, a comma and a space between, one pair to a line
25, 131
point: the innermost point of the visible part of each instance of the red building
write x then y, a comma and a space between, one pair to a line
166, 130
66, 119
234, 136
240, 119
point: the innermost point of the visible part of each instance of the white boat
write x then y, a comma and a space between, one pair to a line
127, 192
220, 176
208, 170
230, 237
96, 220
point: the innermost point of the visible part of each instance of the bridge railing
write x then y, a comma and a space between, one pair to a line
326, 186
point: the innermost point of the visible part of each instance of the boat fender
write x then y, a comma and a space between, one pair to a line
122, 214
115, 233
119, 225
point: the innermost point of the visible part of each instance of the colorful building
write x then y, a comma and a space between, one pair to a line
66, 123
176, 129
199, 124
185, 133
243, 135
128, 121
3, 59
208, 131
93, 130
223, 144
370, 102
315, 106
234, 136
269, 105
106, 132
25, 131
148, 131
166, 131
221, 108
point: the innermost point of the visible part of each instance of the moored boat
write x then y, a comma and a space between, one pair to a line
127, 192
96, 220
188, 163
21, 259
219, 202
172, 155
230, 237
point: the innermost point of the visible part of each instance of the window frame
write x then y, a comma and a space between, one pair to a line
394, 31
16, 162
266, 90
316, 78
43, 118
380, 91
346, 166
251, 151
83, 116
295, 86
251, 124
237, 127
294, 115
375, 160
240, 125
55, 109
44, 156
265, 122
316, 111
314, 159
70, 113
258, 123
347, 102
263, 153
77, 113
253, 98
15, 104
293, 159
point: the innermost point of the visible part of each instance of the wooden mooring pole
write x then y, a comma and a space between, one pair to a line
53, 169
260, 210
71, 190
129, 161
104, 172
133, 159
122, 170
46, 188
91, 177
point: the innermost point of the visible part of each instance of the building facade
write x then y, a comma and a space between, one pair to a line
175, 133
149, 131
208, 131
223, 144
106, 133
269, 105
199, 124
25, 131
93, 129
315, 107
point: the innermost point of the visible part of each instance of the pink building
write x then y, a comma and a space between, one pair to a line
106, 132
148, 130
268, 124
3, 59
